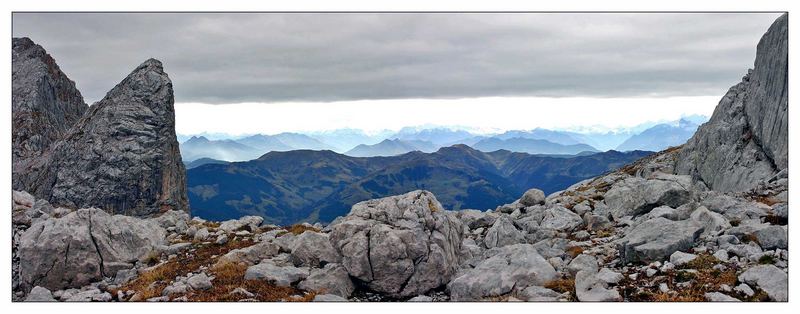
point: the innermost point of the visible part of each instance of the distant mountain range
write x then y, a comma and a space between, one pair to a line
203, 161
391, 148
306, 185
661, 136
247, 148
650, 136
198, 147
531, 146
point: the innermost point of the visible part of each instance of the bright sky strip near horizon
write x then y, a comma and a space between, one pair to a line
244, 73
480, 115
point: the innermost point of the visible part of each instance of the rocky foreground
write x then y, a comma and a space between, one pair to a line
638, 234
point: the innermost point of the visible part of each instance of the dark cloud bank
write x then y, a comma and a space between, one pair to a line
228, 58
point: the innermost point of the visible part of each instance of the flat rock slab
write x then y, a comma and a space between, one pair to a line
771, 279
656, 239
513, 267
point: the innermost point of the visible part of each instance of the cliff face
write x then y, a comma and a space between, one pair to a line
44, 102
122, 156
746, 140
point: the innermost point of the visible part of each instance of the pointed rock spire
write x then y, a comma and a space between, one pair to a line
122, 156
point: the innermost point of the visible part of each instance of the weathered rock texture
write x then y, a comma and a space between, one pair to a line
122, 156
402, 245
82, 247
44, 102
746, 140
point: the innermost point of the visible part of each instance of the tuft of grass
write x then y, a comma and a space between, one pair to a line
563, 285
299, 229
152, 258
605, 233
750, 238
766, 259
775, 220
703, 261
677, 297
432, 206
574, 251
682, 276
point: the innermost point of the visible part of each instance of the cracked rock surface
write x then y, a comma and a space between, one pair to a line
402, 245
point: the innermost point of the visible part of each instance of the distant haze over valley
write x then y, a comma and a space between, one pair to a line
650, 136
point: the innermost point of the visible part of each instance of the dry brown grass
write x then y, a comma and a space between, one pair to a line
750, 238
563, 285
574, 251
768, 200
605, 233
775, 220
230, 276
702, 262
299, 229
152, 282
705, 279
432, 206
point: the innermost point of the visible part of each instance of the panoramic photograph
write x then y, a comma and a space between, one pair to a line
399, 157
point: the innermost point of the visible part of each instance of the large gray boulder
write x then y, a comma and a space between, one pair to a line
314, 249
636, 196
746, 139
401, 246
82, 247
532, 197
772, 237
507, 269
560, 219
331, 279
122, 156
282, 276
656, 239
44, 101
593, 286
502, 233
250, 223
769, 278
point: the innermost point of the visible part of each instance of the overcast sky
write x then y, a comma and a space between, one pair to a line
328, 59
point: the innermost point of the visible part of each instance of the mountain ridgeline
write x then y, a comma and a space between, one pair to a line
306, 185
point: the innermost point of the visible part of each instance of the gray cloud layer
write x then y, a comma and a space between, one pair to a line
227, 58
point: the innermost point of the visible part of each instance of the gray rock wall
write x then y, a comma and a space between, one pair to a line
44, 102
746, 140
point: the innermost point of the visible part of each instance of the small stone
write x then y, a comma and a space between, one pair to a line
421, 298
722, 255
328, 298
680, 258
200, 282
745, 289
40, 294
720, 297
201, 235
243, 292
581, 235
650, 272
222, 239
